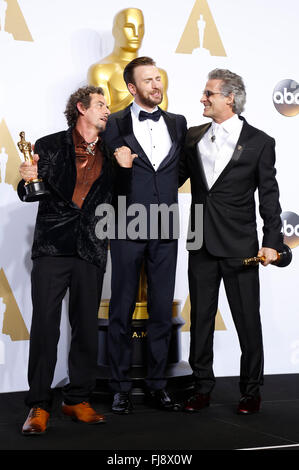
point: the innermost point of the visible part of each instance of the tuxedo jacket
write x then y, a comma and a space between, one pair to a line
229, 209
62, 228
147, 185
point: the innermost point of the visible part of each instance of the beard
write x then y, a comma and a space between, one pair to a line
101, 126
150, 101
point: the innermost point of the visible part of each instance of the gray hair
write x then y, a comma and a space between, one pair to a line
231, 83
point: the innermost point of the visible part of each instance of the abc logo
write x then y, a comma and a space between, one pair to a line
286, 97
290, 227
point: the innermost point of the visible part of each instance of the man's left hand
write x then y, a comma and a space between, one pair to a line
124, 156
269, 255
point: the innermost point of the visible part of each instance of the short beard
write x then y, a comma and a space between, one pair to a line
101, 127
148, 102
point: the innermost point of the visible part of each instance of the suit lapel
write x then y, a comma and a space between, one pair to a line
171, 126
195, 135
239, 149
126, 131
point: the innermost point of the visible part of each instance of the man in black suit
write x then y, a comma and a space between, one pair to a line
81, 173
156, 137
227, 160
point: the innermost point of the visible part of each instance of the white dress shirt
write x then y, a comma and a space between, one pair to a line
217, 146
153, 136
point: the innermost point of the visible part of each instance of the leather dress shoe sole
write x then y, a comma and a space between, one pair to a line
127, 411
195, 410
197, 402
249, 405
35, 433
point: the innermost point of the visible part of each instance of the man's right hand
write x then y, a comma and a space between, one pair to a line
124, 156
28, 171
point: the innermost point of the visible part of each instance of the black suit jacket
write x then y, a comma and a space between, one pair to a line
62, 228
149, 186
229, 215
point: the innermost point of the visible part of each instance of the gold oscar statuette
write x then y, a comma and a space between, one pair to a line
35, 188
253, 261
283, 259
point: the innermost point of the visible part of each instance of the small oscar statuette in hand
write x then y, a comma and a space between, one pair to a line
35, 188
283, 259
254, 261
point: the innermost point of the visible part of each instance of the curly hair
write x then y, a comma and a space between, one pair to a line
82, 95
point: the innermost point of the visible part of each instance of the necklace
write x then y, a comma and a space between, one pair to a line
91, 147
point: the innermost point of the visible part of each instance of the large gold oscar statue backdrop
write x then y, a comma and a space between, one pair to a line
128, 32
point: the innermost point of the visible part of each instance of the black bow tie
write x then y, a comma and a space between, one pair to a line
154, 116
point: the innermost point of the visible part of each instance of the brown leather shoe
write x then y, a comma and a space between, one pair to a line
83, 412
197, 402
36, 422
249, 405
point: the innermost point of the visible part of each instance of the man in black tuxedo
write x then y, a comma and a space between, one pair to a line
81, 173
227, 160
156, 137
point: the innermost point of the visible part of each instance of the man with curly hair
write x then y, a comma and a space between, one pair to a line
80, 173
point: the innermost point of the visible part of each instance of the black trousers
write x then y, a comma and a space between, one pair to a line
50, 279
160, 266
242, 289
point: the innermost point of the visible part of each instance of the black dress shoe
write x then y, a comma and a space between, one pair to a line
122, 404
249, 404
197, 402
161, 400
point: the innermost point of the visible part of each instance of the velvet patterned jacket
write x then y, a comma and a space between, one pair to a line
62, 228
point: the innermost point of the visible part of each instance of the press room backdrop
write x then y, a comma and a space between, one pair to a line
46, 49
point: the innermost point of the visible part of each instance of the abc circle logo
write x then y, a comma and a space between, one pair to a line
290, 228
286, 97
